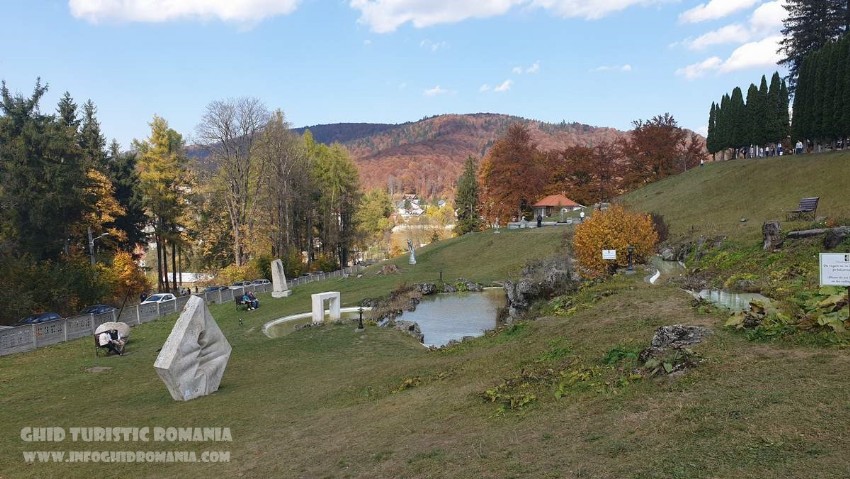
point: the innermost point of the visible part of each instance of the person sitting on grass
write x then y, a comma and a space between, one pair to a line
111, 340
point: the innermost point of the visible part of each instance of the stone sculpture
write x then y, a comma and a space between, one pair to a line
318, 303
412, 253
279, 286
192, 360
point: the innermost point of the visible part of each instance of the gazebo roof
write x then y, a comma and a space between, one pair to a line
556, 200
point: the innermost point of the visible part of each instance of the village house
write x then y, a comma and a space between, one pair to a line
555, 204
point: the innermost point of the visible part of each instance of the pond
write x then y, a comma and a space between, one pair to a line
446, 317
720, 297
732, 301
441, 317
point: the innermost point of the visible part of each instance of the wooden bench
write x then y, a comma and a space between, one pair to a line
239, 303
807, 207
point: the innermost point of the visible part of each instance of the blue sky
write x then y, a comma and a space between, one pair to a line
599, 62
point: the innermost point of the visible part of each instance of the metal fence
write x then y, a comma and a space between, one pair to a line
32, 336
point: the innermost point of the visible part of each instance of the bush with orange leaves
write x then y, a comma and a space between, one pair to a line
614, 229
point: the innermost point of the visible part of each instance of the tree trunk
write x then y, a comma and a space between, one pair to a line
173, 267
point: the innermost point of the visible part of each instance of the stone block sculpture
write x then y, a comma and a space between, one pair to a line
318, 300
279, 286
192, 360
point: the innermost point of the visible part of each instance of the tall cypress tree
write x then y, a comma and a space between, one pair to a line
724, 127
738, 117
765, 114
466, 199
774, 99
753, 114
711, 136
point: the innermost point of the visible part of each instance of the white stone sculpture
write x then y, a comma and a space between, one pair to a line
412, 259
279, 286
319, 306
192, 360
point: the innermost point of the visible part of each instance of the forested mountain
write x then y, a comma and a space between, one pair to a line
427, 156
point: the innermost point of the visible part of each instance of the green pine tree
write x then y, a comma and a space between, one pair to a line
467, 199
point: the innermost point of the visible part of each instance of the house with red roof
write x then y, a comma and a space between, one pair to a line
555, 204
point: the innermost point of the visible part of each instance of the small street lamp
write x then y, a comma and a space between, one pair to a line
631, 250
360, 321
91, 244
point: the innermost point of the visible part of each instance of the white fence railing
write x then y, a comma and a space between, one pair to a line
32, 336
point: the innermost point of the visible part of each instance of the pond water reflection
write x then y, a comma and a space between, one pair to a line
732, 301
446, 317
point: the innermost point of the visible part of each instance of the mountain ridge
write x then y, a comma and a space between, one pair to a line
427, 156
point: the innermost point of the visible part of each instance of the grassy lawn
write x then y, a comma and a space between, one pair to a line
554, 397
713, 199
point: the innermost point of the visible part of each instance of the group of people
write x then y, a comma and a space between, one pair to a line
250, 300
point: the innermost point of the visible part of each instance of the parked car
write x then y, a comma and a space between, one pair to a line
261, 281
98, 309
159, 298
239, 284
40, 318
214, 288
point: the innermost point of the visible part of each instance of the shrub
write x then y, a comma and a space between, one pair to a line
615, 229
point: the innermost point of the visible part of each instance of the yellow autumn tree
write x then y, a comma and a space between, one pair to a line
125, 277
617, 229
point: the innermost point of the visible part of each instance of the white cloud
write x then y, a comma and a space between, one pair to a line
758, 40
699, 69
759, 54
435, 91
768, 16
534, 68
484, 88
433, 46
715, 9
239, 11
614, 68
762, 53
589, 9
384, 16
734, 33
504, 86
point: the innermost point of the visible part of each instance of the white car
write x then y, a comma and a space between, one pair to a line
159, 298
240, 284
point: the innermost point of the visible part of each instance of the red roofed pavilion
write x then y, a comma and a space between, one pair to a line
553, 204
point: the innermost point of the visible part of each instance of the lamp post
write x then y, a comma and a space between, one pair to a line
91, 243
631, 250
360, 321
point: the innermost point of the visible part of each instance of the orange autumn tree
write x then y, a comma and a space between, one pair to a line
615, 228
512, 175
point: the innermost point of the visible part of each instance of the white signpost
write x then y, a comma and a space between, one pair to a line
835, 269
609, 254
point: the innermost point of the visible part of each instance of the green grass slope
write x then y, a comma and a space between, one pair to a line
713, 199
557, 397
